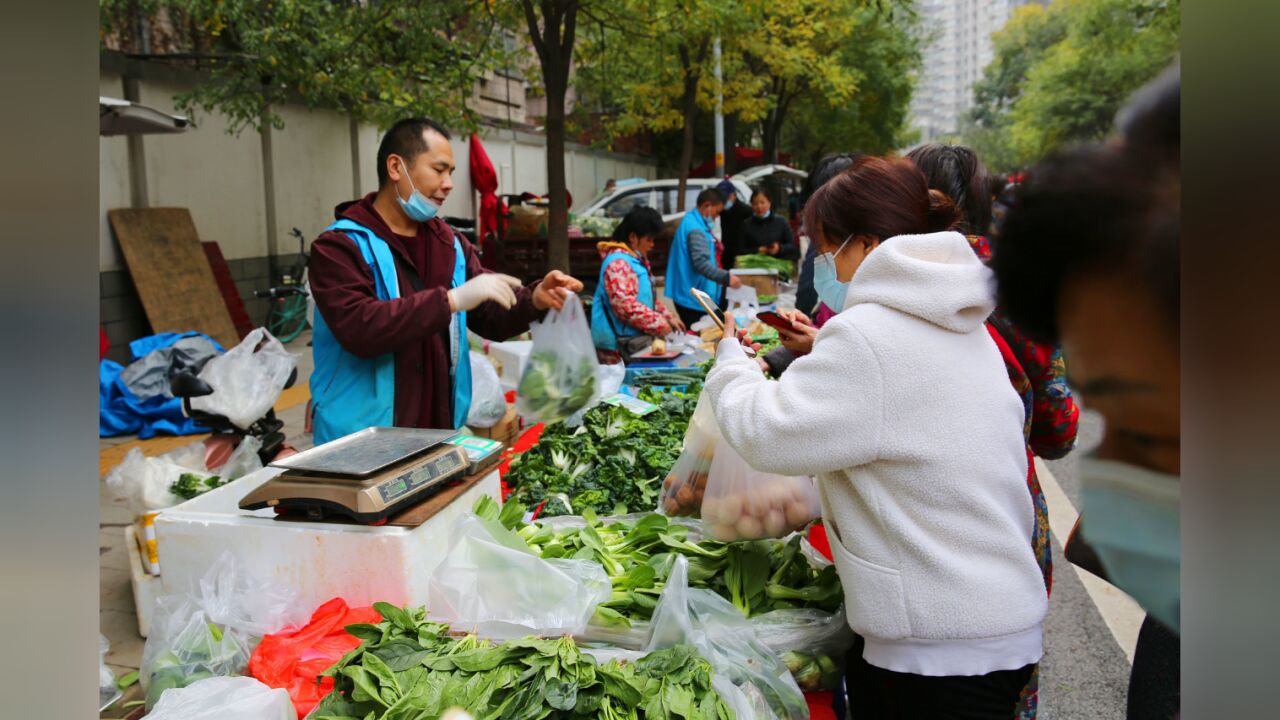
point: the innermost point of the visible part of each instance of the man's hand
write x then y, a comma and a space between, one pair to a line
554, 289
483, 288
762, 250
800, 342
735, 281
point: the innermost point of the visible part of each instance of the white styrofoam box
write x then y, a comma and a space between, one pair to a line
514, 354
318, 560
145, 585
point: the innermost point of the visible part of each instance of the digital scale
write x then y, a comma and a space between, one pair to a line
366, 476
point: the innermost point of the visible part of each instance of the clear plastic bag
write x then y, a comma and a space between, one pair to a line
811, 643
146, 482
560, 377
609, 380
728, 641
107, 690
742, 503
491, 583
246, 380
488, 404
224, 698
742, 301
685, 485
211, 631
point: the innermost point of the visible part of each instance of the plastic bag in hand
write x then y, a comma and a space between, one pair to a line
727, 640
488, 404
559, 378
609, 380
741, 503
684, 486
246, 380
211, 631
492, 583
224, 698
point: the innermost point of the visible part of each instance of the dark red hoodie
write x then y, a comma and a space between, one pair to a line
416, 326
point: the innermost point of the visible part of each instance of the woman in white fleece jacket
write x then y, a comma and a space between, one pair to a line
904, 413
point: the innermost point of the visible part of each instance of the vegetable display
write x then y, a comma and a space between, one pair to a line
408, 667
550, 387
613, 463
756, 261
637, 555
189, 485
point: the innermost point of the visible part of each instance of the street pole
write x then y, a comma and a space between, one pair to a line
719, 115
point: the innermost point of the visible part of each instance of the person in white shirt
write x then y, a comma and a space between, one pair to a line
904, 413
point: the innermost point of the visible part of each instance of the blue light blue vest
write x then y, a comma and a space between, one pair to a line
350, 393
606, 328
680, 273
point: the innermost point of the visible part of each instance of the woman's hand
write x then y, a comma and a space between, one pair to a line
801, 341
731, 330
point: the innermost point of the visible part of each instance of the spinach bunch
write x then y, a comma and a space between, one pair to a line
757, 576
756, 261
408, 667
551, 388
613, 463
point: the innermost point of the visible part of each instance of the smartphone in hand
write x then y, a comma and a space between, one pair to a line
777, 322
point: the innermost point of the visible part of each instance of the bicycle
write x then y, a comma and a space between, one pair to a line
288, 315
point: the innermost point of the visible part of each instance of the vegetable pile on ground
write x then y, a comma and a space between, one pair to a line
613, 463
756, 261
553, 388
637, 555
408, 667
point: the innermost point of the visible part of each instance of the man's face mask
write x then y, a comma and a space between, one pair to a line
418, 207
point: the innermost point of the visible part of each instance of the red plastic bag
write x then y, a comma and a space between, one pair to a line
294, 659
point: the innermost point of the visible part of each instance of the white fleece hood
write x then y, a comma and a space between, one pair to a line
936, 277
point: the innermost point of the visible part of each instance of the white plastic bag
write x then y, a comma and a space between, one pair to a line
145, 482
491, 583
561, 375
246, 380
727, 640
488, 404
742, 503
608, 382
742, 301
225, 698
211, 631
685, 485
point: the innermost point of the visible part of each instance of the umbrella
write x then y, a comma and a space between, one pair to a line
121, 117
485, 180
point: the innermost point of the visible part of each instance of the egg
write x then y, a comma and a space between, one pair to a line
730, 507
749, 527
798, 513
723, 533
775, 524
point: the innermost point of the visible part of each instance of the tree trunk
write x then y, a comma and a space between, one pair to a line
558, 221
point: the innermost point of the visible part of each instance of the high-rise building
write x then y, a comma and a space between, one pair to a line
957, 49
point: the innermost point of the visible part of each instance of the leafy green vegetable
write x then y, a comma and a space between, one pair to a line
756, 261
551, 389
637, 555
526, 678
613, 463
189, 485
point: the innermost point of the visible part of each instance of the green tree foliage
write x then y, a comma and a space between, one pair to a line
1062, 72
884, 57
376, 61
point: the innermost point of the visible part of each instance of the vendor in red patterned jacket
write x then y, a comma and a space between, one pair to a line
396, 290
627, 314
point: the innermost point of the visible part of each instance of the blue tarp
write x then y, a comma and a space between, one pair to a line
122, 412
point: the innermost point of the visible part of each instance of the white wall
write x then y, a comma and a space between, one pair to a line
219, 177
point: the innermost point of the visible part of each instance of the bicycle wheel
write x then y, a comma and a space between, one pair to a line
288, 317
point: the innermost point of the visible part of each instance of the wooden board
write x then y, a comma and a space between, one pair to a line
171, 273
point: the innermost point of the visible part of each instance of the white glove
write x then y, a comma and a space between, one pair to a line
482, 288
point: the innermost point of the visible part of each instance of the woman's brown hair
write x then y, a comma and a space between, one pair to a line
882, 197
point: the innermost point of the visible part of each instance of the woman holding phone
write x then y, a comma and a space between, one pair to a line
906, 417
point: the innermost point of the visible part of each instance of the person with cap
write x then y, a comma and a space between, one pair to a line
732, 219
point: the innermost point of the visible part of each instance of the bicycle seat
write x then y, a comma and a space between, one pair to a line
186, 385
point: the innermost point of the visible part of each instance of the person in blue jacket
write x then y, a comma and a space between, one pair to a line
695, 257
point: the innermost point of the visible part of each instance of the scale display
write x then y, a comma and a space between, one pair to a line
410, 481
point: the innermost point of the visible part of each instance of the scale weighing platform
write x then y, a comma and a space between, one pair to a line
366, 476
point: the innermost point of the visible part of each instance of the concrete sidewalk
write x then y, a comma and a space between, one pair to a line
117, 617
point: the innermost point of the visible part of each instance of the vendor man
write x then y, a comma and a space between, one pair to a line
695, 259
396, 289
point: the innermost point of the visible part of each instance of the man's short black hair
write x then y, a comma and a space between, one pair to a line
1093, 209
710, 196
406, 140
